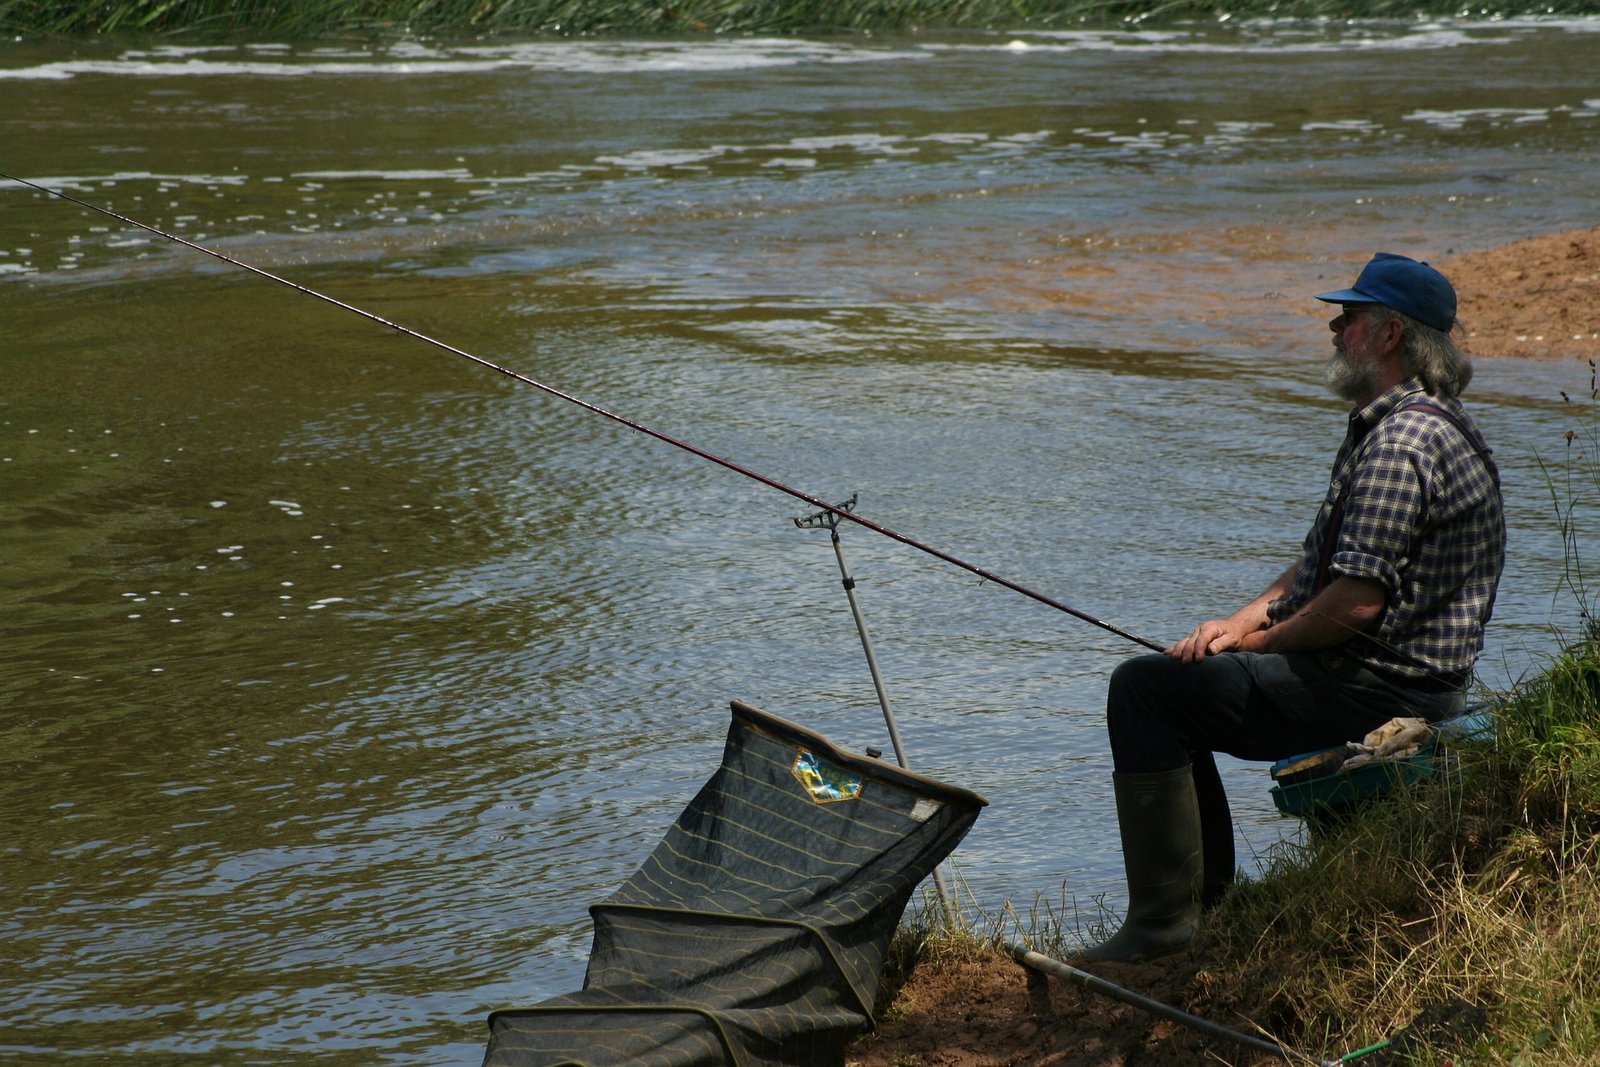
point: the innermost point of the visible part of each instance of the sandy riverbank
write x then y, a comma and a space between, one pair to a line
1538, 298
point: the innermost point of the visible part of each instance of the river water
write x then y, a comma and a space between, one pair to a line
341, 675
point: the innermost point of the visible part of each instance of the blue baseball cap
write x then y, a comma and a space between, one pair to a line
1411, 288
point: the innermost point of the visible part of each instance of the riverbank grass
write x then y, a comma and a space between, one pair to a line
1474, 895
296, 19
1458, 914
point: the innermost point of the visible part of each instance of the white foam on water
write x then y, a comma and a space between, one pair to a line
100, 181
1280, 36
1343, 126
132, 67
713, 55
419, 59
797, 151
450, 174
1153, 139
416, 59
678, 157
1231, 132
1458, 118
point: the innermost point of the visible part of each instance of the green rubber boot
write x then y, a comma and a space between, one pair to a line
1216, 830
1159, 819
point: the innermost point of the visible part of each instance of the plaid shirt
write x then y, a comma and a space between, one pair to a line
1422, 517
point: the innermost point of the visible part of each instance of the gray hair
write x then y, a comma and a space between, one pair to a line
1429, 354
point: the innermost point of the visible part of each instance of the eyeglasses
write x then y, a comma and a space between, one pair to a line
1350, 311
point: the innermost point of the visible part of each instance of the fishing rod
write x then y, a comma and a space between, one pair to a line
772, 483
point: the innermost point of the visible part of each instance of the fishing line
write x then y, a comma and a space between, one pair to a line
772, 483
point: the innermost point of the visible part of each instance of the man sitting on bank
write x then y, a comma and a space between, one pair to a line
1381, 616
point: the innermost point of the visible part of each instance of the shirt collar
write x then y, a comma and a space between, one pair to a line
1365, 418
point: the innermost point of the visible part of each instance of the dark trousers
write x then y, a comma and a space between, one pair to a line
1163, 714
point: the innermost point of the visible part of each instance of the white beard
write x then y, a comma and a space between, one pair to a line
1349, 380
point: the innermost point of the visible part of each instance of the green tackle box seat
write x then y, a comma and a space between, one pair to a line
1316, 783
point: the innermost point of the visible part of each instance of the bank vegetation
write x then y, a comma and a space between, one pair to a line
1471, 901
1453, 921
320, 18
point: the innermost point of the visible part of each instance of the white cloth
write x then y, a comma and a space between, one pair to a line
1395, 739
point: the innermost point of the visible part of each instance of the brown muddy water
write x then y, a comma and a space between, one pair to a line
340, 675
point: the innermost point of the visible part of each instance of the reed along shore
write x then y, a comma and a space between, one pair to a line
296, 19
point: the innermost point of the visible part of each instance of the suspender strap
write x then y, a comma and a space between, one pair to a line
1432, 408
1330, 534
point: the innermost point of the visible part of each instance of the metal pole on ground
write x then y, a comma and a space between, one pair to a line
1042, 964
829, 520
